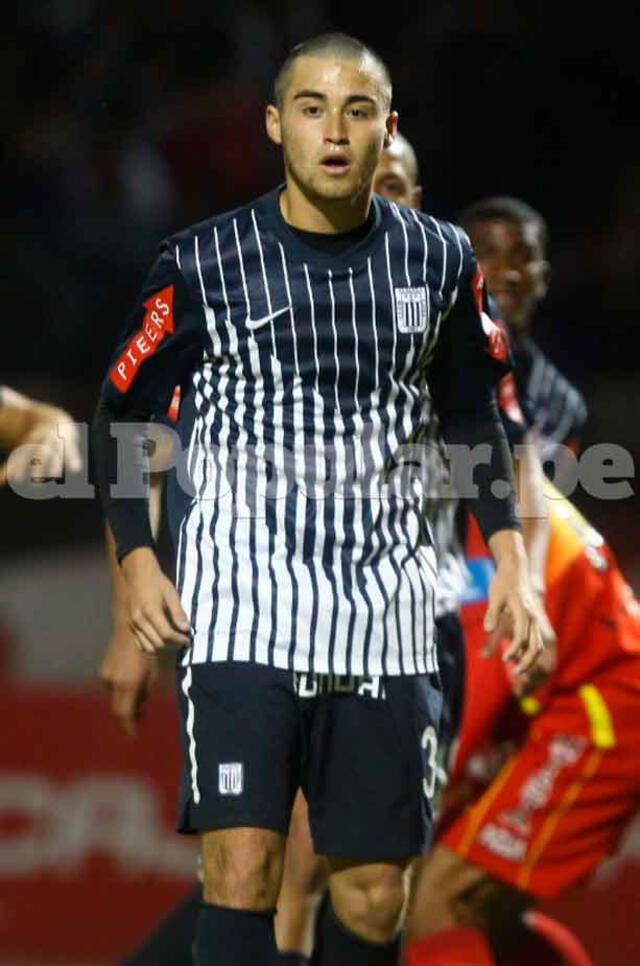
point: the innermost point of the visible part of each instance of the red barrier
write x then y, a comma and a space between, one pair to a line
89, 859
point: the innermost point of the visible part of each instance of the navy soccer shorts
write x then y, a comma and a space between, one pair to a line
363, 750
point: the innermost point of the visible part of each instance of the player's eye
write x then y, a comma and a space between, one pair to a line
359, 112
391, 187
311, 110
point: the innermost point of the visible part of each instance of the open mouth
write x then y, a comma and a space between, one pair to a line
335, 164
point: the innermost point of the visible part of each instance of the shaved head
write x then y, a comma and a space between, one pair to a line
341, 47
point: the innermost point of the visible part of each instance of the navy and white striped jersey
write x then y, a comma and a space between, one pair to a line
305, 375
556, 406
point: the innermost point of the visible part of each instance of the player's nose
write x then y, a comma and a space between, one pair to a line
335, 131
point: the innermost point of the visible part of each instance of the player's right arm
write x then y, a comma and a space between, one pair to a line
163, 341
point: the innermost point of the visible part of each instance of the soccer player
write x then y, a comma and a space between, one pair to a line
307, 330
541, 795
510, 241
29, 422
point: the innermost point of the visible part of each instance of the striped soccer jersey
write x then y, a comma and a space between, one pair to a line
558, 408
306, 379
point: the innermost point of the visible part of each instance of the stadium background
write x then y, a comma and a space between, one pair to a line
125, 121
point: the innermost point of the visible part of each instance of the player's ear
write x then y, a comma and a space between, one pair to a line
417, 195
391, 128
272, 124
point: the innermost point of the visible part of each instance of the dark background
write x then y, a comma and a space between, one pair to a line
125, 121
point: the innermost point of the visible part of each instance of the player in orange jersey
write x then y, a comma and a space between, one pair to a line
543, 787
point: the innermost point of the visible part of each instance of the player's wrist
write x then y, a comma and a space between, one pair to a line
139, 560
507, 547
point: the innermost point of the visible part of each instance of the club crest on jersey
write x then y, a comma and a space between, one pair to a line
411, 310
158, 320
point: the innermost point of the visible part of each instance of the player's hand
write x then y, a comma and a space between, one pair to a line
543, 668
512, 610
56, 436
127, 674
156, 615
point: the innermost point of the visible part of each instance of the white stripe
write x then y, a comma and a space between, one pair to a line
261, 534
325, 589
303, 577
284, 580
363, 606
191, 714
241, 510
339, 502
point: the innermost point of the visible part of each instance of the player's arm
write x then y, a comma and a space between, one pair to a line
470, 357
164, 338
28, 421
126, 671
534, 515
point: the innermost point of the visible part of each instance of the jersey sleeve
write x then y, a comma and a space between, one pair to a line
157, 350
472, 353
158, 346
471, 357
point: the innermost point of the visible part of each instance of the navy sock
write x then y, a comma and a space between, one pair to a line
338, 946
234, 937
293, 959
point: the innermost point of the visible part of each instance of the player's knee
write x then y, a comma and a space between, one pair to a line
370, 902
242, 867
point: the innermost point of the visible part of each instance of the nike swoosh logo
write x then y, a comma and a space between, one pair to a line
258, 323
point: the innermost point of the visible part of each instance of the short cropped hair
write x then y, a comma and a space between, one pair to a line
511, 209
342, 45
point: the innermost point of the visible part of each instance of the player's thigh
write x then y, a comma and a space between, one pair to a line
241, 747
370, 767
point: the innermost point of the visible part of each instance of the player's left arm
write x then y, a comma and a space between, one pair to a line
471, 355
28, 421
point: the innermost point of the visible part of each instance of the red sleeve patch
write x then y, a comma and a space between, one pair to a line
496, 339
173, 412
477, 289
157, 322
508, 399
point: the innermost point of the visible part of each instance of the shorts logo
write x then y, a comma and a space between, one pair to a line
503, 843
411, 310
158, 320
231, 778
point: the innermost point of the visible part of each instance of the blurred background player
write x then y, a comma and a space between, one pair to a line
510, 241
544, 788
28, 423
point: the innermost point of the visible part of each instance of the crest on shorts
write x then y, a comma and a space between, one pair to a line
411, 309
231, 778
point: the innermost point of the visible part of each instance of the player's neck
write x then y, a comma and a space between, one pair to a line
327, 218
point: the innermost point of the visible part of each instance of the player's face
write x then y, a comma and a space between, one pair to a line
394, 178
511, 255
332, 124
